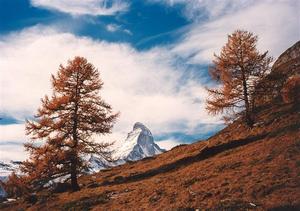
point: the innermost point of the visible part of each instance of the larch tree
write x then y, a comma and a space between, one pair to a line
237, 70
62, 133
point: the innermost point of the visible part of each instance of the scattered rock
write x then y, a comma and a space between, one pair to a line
154, 198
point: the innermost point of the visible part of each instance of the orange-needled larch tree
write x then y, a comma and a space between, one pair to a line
62, 133
238, 69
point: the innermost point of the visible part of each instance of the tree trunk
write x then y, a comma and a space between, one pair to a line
75, 186
248, 117
74, 183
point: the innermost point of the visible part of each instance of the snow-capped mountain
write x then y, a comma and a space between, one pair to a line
6, 168
138, 145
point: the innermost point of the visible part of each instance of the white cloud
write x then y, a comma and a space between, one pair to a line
84, 7
12, 138
274, 22
208, 9
112, 27
142, 85
12, 152
115, 28
127, 31
13, 133
168, 144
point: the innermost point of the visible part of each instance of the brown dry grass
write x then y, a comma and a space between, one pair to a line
234, 168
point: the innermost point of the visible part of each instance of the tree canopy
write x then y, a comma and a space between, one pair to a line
237, 70
62, 133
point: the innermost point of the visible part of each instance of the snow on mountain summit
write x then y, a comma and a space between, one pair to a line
141, 142
138, 145
142, 127
6, 168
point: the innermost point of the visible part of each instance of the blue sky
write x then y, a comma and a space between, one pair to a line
145, 24
152, 55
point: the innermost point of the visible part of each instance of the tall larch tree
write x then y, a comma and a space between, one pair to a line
62, 133
237, 70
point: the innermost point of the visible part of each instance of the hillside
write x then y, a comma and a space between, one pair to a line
237, 169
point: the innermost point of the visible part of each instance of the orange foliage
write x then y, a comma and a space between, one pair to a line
66, 122
16, 186
238, 69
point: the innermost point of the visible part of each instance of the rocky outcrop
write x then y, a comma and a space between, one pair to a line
291, 55
287, 65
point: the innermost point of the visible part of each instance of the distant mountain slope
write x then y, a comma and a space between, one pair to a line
6, 168
239, 168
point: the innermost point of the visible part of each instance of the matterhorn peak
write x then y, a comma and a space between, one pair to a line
141, 126
138, 145
142, 141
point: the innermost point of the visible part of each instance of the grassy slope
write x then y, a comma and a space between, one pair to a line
261, 167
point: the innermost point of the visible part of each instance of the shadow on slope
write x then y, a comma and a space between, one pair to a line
205, 153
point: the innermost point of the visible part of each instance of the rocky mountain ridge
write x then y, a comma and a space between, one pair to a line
292, 53
139, 144
6, 168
